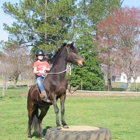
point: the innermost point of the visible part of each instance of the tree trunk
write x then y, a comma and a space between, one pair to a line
3, 89
109, 84
4, 86
16, 79
78, 133
28, 84
45, 17
128, 83
136, 88
15, 83
109, 78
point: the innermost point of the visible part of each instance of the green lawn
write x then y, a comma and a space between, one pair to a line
120, 115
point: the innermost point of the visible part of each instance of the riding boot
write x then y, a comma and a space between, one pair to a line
43, 97
72, 89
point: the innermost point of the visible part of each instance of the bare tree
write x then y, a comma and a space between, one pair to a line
16, 59
123, 27
4, 72
106, 50
28, 73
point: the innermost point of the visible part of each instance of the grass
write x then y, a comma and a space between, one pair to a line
119, 115
10, 92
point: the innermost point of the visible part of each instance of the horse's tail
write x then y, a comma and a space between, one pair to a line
34, 114
35, 122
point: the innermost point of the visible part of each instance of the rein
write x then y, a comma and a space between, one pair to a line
58, 72
54, 73
69, 54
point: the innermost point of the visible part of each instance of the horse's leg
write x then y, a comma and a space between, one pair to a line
29, 127
62, 102
40, 118
30, 113
56, 110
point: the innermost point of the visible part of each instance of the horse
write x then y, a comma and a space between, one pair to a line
55, 86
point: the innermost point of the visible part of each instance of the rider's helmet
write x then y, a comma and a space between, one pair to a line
39, 52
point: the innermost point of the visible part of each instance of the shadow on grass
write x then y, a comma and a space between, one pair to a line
36, 135
45, 130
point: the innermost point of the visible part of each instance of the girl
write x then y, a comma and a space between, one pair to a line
40, 68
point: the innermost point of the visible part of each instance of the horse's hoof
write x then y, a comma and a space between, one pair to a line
65, 126
42, 138
58, 127
29, 137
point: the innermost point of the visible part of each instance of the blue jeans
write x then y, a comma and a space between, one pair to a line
40, 83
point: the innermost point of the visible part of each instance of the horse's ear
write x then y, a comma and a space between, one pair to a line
64, 44
72, 44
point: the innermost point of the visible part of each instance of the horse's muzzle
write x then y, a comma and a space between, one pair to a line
80, 62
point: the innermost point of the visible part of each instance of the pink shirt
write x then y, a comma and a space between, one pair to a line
41, 65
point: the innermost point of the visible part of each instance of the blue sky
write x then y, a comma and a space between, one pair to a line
8, 20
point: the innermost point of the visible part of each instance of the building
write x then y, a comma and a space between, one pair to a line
123, 78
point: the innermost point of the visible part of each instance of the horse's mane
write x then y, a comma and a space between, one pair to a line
57, 52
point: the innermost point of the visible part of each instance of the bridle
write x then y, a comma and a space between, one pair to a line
72, 54
69, 54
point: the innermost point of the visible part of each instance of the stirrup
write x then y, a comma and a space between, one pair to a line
46, 100
42, 96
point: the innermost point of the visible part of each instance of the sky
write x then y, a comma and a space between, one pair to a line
9, 20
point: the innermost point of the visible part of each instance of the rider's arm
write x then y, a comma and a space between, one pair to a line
47, 69
37, 71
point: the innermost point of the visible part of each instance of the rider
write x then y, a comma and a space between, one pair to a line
40, 68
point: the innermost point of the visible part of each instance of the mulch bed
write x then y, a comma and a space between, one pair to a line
99, 94
102, 95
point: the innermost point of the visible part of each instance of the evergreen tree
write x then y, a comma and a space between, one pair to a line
89, 13
90, 76
40, 23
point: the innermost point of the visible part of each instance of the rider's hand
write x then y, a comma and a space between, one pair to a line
41, 72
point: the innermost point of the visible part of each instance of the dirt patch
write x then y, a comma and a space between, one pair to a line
23, 94
102, 94
99, 94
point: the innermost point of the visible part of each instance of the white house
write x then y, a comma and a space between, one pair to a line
123, 78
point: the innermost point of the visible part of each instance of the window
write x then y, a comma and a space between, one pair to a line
118, 78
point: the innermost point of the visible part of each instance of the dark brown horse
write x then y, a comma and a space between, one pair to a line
55, 85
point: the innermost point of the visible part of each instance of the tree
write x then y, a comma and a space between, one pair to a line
106, 49
16, 59
123, 26
28, 73
40, 23
91, 76
4, 71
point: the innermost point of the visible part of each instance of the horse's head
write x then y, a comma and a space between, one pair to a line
73, 56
